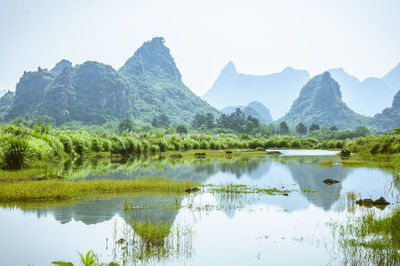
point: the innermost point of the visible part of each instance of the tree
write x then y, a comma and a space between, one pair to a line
198, 120
209, 120
125, 125
301, 129
161, 121
251, 124
283, 128
333, 128
181, 129
223, 121
314, 127
361, 131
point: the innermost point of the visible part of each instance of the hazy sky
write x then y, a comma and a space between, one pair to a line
259, 36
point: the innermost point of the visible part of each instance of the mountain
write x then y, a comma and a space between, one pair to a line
255, 109
390, 117
277, 91
371, 95
5, 103
58, 68
147, 85
320, 101
393, 77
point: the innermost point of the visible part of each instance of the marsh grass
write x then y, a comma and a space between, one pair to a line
61, 190
328, 162
144, 241
369, 239
243, 189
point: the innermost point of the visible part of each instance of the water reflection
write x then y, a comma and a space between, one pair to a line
240, 223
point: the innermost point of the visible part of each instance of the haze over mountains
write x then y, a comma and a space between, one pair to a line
149, 84
370, 96
255, 109
278, 91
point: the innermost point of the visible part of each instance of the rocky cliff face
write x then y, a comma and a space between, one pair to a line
147, 85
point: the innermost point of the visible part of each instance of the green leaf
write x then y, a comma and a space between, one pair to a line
62, 263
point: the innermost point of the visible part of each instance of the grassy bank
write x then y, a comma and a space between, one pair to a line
61, 190
21, 146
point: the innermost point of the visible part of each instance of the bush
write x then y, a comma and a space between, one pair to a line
16, 155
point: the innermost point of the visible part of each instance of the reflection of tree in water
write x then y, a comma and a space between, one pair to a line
143, 166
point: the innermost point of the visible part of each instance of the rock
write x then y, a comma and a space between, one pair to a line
200, 154
228, 152
285, 194
381, 201
260, 149
193, 189
274, 153
369, 202
330, 181
345, 153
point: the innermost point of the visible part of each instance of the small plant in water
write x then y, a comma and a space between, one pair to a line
88, 260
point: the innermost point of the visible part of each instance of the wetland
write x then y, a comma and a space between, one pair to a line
260, 207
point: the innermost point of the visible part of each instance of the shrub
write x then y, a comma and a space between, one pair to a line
16, 154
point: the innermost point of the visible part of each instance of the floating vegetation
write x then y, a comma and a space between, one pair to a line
243, 189
352, 163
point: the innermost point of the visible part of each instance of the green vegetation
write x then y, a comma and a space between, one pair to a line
88, 260
320, 102
63, 189
371, 239
243, 189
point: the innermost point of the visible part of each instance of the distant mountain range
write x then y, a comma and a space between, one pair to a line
278, 91
255, 109
147, 85
370, 96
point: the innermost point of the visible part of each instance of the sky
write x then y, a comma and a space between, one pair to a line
259, 36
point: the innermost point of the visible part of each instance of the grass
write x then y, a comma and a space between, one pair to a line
370, 239
61, 190
243, 189
352, 163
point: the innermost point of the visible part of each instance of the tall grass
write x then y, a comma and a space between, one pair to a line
60, 189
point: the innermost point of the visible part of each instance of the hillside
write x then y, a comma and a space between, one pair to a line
390, 117
147, 85
277, 91
320, 101
255, 109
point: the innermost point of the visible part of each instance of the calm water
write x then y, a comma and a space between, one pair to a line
206, 228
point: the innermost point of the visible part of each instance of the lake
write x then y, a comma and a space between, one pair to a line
209, 227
